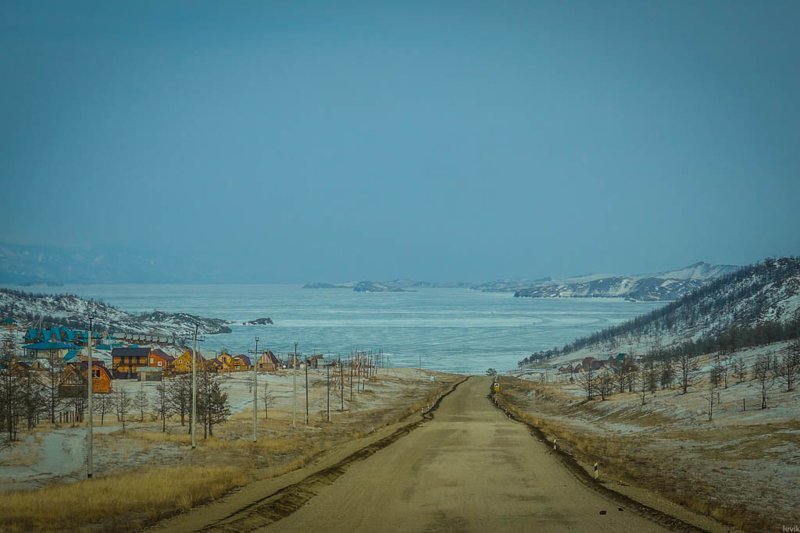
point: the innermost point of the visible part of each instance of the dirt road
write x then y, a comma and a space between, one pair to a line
468, 469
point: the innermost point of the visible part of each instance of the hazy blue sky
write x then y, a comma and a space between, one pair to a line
295, 141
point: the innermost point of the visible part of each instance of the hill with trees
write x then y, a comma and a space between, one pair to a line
754, 305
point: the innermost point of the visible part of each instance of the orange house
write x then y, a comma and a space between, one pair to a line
160, 359
74, 380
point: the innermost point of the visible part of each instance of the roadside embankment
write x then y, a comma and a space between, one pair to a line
736, 469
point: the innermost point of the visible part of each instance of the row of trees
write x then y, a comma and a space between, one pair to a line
682, 371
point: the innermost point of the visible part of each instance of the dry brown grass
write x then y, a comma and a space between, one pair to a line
21, 454
120, 502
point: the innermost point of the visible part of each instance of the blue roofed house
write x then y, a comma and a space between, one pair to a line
56, 334
47, 349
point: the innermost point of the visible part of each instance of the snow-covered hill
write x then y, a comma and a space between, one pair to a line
669, 285
755, 304
69, 310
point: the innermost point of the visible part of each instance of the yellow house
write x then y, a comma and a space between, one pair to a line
226, 361
184, 362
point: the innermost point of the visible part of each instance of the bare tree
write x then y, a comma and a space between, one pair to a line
163, 407
141, 402
739, 369
122, 402
687, 367
763, 374
621, 371
789, 366
605, 384
719, 372
667, 374
268, 399
711, 398
11, 395
55, 375
642, 383
587, 380
102, 404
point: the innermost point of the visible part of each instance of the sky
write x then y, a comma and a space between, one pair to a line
470, 141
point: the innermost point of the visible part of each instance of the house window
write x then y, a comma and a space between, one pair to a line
151, 361
159, 363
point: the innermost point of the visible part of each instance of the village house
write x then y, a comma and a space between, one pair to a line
159, 359
269, 362
314, 360
183, 363
590, 363
125, 362
73, 384
225, 361
241, 363
50, 350
213, 365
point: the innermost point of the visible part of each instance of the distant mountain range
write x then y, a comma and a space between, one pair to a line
669, 285
644, 287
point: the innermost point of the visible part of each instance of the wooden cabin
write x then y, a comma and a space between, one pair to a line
184, 363
241, 363
225, 362
73, 384
160, 359
269, 362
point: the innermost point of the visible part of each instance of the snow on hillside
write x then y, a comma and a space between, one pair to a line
669, 285
29, 309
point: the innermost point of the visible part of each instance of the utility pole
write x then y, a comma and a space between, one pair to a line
194, 389
328, 366
255, 392
89, 463
294, 388
341, 381
306, 392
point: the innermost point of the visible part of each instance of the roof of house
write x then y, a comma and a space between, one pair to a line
130, 352
243, 358
47, 345
95, 366
271, 357
161, 353
188, 355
